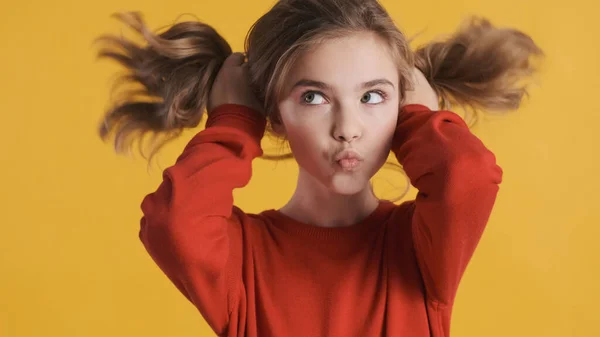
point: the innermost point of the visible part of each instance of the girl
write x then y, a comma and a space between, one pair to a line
338, 80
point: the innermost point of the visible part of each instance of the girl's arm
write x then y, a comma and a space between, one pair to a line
188, 226
457, 180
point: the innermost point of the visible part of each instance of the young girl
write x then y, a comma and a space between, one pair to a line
338, 80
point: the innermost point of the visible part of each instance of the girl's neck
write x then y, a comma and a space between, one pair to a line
312, 203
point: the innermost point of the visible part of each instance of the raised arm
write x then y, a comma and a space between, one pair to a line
457, 180
188, 227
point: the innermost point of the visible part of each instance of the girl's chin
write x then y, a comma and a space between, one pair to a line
348, 185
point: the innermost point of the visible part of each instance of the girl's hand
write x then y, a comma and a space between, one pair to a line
232, 85
422, 92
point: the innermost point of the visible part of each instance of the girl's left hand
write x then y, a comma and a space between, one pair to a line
422, 92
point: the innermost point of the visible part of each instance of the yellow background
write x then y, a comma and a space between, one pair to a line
70, 260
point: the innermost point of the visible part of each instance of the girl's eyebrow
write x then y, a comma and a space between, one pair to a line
324, 86
379, 81
311, 83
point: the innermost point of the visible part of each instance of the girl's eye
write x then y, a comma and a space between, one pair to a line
372, 97
313, 98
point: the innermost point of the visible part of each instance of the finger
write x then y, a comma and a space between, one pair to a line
235, 59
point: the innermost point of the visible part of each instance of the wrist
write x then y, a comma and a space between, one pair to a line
239, 117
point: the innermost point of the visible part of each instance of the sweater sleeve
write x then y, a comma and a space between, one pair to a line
187, 225
457, 181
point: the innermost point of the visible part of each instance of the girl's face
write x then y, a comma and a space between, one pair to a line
340, 109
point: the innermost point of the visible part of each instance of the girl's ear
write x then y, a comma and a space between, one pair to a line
278, 127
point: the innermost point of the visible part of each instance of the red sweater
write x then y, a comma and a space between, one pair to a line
395, 273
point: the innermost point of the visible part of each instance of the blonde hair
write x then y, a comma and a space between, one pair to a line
480, 67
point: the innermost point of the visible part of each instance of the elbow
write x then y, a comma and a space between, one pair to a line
475, 171
177, 241
153, 238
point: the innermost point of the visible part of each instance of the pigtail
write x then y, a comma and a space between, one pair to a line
480, 67
166, 84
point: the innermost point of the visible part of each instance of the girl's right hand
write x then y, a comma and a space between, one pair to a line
232, 85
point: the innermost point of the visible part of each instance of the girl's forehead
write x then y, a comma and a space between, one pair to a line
364, 44
345, 60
